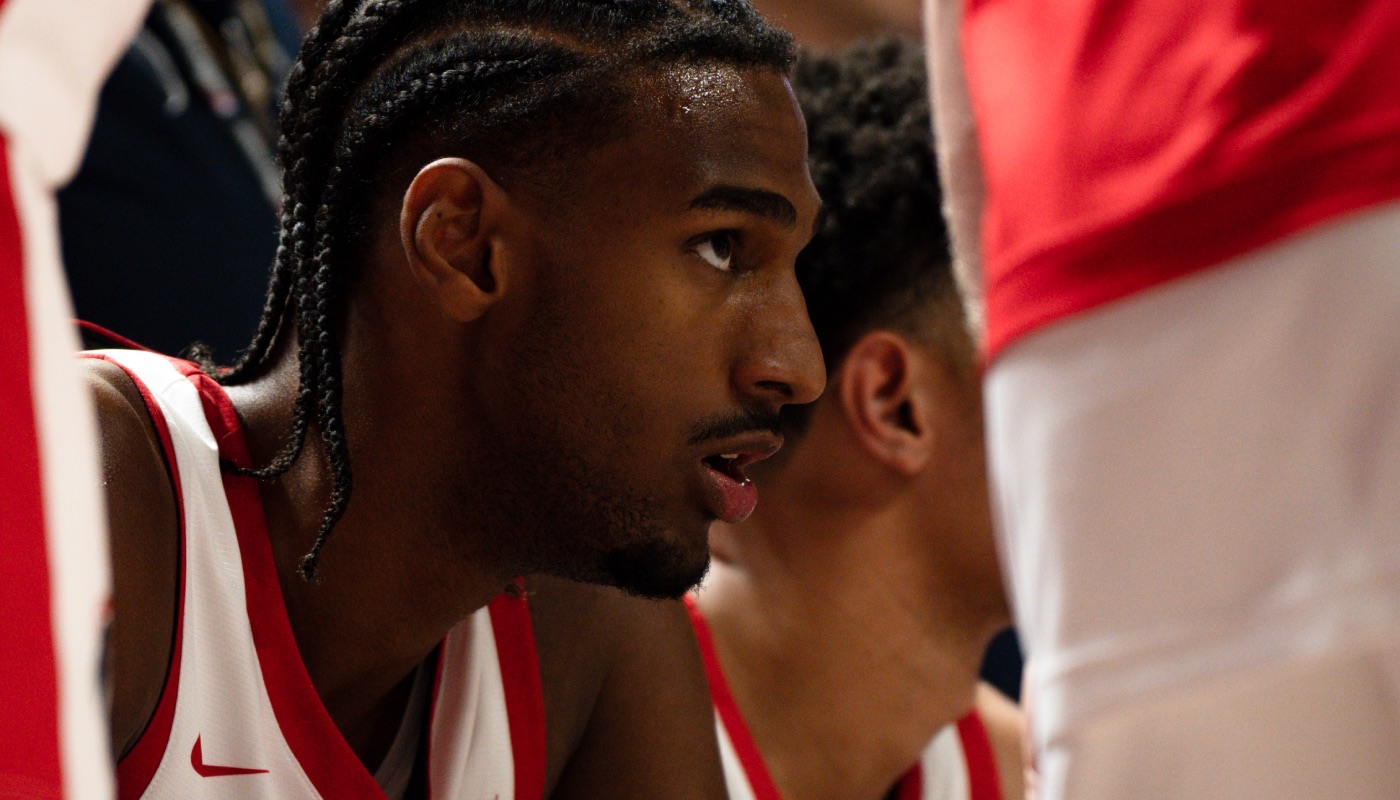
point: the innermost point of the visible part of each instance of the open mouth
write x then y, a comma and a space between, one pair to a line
730, 495
729, 465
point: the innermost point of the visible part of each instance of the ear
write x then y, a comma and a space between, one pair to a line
450, 213
883, 402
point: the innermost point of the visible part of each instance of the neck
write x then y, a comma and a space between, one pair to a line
394, 578
844, 653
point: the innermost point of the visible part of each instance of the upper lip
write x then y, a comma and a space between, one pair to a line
747, 449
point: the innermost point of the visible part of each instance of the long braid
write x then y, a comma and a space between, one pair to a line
321, 92
509, 78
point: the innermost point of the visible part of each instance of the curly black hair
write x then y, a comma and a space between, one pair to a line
881, 259
382, 86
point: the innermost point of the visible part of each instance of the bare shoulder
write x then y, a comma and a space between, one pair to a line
1006, 727
143, 520
625, 695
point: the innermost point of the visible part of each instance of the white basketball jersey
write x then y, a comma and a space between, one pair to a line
239, 718
957, 765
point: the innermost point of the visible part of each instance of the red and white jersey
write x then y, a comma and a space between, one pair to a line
1126, 143
54, 584
239, 716
957, 765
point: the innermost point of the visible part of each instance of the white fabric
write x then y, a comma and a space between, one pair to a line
736, 780
472, 755
944, 767
223, 701
54, 56
1198, 494
222, 698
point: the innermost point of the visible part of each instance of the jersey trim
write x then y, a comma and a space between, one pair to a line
978, 756
1175, 241
28, 673
728, 710
136, 769
319, 747
1125, 145
520, 677
982, 779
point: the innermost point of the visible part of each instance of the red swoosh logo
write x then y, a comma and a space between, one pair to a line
213, 770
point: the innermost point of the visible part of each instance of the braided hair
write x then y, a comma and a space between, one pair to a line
382, 86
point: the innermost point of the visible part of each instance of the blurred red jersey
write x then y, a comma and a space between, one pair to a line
1129, 142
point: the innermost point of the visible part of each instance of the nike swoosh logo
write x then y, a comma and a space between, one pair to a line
213, 770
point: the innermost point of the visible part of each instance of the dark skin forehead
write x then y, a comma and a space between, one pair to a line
703, 137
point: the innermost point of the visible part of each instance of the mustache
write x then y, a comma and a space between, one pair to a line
724, 426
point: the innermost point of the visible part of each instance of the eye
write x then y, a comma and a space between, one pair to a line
717, 250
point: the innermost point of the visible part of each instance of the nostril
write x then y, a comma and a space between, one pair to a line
780, 388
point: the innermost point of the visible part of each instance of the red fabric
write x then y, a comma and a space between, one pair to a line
115, 338
729, 714
1130, 142
317, 743
520, 675
30, 762
982, 779
138, 767
911, 786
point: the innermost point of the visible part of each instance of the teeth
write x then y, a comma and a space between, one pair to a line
730, 456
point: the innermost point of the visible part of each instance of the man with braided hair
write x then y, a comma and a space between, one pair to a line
535, 287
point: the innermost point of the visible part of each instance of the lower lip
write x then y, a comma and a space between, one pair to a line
730, 500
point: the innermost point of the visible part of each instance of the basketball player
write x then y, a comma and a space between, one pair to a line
844, 623
1191, 247
54, 582
536, 295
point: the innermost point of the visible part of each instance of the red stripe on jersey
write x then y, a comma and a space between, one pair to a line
312, 735
30, 759
982, 779
911, 786
116, 338
729, 714
520, 676
1125, 144
138, 767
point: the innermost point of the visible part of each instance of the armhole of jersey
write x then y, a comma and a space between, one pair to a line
136, 769
730, 716
520, 677
982, 777
315, 742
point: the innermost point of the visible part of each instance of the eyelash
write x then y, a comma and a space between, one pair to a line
730, 241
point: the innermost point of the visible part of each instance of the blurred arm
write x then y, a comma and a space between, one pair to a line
959, 160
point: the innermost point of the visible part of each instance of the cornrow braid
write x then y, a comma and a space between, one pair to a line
384, 85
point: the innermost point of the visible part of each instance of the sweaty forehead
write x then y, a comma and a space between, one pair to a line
691, 127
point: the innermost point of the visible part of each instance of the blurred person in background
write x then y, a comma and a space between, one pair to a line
824, 25
170, 226
829, 24
1177, 227
843, 623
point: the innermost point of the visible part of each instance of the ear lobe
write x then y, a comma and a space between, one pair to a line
882, 404
449, 215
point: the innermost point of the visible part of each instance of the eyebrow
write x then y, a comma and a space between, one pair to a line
759, 202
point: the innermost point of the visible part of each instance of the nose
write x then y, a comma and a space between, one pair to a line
783, 361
